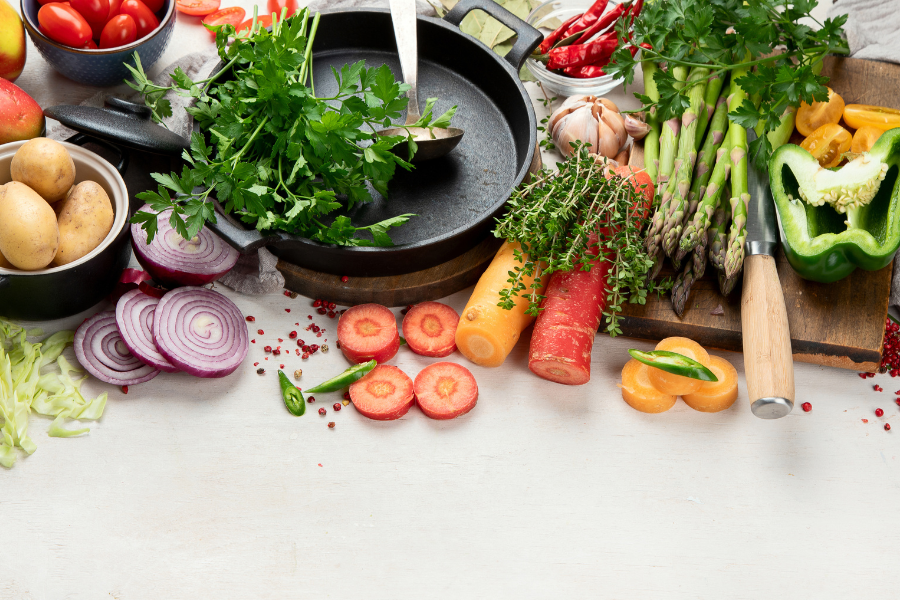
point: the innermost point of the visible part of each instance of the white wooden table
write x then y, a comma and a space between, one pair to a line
209, 489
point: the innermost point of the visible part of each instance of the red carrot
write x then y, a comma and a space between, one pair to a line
557, 35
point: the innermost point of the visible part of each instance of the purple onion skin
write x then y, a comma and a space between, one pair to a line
168, 277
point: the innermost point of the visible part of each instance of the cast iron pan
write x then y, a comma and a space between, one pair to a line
456, 197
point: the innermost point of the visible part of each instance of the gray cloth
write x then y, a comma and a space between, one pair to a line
255, 274
871, 28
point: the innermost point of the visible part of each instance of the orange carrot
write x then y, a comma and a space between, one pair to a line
639, 393
714, 396
487, 333
678, 385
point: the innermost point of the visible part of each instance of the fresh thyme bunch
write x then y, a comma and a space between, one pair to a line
553, 218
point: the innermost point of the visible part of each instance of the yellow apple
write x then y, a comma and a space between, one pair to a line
12, 42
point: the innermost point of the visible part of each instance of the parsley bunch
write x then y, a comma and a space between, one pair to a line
724, 35
554, 218
270, 151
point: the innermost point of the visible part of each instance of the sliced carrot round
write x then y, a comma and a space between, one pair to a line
430, 329
639, 393
678, 385
445, 390
714, 396
385, 393
368, 331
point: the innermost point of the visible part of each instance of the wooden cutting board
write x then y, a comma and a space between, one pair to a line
839, 324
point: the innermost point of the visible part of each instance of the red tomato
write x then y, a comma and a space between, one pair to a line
120, 31
63, 24
153, 5
197, 8
93, 11
275, 6
114, 6
89, 46
226, 16
262, 21
144, 19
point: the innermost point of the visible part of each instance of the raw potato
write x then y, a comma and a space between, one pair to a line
29, 237
5, 264
85, 218
45, 166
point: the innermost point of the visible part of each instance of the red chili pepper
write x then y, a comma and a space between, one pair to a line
586, 71
636, 9
602, 24
647, 46
584, 54
557, 35
591, 16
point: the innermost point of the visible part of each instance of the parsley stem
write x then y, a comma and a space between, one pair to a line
237, 157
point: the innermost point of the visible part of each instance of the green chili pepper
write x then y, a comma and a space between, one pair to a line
672, 362
293, 399
352, 374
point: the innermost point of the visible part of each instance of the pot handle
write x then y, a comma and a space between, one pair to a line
527, 37
243, 240
80, 139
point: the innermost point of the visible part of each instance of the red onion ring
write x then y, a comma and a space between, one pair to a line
201, 332
174, 261
134, 316
100, 350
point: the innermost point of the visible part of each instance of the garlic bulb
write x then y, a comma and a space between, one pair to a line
594, 121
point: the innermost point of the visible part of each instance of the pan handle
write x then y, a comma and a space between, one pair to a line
243, 240
527, 37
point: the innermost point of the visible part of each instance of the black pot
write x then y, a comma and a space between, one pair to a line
59, 292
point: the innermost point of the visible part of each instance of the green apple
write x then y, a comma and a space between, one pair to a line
12, 42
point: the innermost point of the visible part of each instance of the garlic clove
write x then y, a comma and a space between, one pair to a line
616, 123
580, 125
608, 104
567, 108
608, 144
636, 128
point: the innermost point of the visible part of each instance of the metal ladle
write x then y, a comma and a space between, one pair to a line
403, 15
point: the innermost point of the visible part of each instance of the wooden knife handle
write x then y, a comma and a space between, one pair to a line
767, 342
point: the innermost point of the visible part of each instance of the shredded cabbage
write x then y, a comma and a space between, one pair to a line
24, 388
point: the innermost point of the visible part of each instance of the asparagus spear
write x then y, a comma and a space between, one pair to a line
682, 288
651, 140
710, 99
687, 155
718, 232
668, 137
707, 185
726, 284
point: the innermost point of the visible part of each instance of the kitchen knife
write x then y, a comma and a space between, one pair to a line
768, 363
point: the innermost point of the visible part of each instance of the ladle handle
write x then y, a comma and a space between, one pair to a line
403, 14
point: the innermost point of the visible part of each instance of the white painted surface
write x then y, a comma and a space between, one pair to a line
192, 489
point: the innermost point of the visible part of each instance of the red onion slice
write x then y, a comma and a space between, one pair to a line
201, 332
174, 261
130, 279
100, 350
134, 316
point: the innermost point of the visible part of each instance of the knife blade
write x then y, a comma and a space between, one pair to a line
764, 324
762, 220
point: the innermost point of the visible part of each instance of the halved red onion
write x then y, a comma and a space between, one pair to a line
100, 350
200, 331
134, 316
174, 261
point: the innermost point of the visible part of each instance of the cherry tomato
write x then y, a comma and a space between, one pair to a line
89, 46
275, 6
860, 115
120, 31
262, 22
811, 117
64, 24
227, 16
864, 138
93, 11
197, 8
154, 5
828, 144
114, 8
145, 20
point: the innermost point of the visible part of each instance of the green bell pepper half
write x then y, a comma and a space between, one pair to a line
822, 244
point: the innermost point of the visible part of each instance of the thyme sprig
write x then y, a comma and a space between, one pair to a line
556, 218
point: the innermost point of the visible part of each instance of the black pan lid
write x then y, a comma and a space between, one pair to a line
122, 123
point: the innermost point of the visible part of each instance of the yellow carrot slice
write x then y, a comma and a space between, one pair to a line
715, 396
638, 391
678, 385
487, 333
